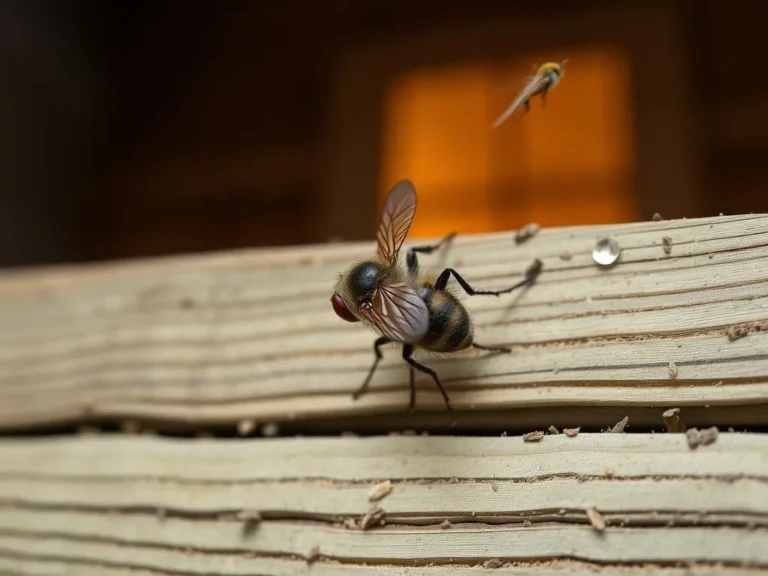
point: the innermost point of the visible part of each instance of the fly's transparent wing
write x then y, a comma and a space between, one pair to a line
396, 218
398, 313
535, 85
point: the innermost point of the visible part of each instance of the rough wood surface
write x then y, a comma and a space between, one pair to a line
70, 505
216, 339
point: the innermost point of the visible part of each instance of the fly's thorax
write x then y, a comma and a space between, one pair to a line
450, 325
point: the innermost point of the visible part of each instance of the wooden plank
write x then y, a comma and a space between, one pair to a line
214, 339
172, 506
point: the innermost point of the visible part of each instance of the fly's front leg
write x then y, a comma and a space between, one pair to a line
377, 351
407, 353
412, 260
530, 276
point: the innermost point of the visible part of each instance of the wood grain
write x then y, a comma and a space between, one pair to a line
215, 339
167, 506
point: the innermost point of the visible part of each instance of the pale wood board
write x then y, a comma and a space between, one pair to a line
163, 506
215, 339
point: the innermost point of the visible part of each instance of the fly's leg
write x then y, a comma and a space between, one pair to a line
491, 348
407, 352
530, 276
412, 402
377, 351
412, 260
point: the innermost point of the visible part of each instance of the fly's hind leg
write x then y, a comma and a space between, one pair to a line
377, 352
407, 353
413, 261
530, 277
491, 348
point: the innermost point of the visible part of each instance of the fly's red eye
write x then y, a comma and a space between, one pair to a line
341, 309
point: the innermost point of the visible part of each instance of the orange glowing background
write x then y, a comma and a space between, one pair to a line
571, 162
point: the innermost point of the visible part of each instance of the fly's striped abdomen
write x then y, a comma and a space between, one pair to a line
450, 327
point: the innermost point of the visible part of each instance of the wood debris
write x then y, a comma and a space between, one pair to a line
565, 256
704, 437
270, 429
312, 555
535, 436
445, 524
595, 518
250, 516
619, 427
737, 331
245, 427
656, 217
526, 232
572, 432
379, 491
349, 524
672, 367
672, 420
666, 243
553, 430
374, 517
493, 563
494, 487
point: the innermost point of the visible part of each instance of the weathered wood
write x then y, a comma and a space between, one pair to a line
215, 339
174, 506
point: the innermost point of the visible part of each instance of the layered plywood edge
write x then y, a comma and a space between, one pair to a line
460, 506
214, 340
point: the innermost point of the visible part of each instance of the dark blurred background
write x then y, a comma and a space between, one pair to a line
133, 128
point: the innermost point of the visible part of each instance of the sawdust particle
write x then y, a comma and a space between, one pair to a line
130, 427
657, 217
374, 517
312, 555
737, 331
619, 427
349, 524
666, 243
270, 429
672, 367
672, 420
595, 518
553, 430
566, 256
493, 563
535, 436
608, 471
704, 437
526, 523
245, 427
445, 524
526, 232
494, 487
572, 432
380, 491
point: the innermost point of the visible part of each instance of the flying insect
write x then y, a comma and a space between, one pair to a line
405, 305
546, 77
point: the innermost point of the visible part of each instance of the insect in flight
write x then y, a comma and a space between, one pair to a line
405, 305
546, 77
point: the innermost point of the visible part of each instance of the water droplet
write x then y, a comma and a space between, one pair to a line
606, 252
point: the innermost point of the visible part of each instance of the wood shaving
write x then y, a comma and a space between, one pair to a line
312, 555
252, 516
572, 432
672, 420
379, 491
374, 517
596, 519
619, 427
535, 436
672, 370
704, 437
666, 243
270, 429
553, 430
526, 232
245, 427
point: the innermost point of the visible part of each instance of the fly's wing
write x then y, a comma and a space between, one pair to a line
398, 313
535, 85
396, 218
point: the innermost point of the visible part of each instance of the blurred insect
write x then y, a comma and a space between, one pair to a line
405, 305
546, 77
